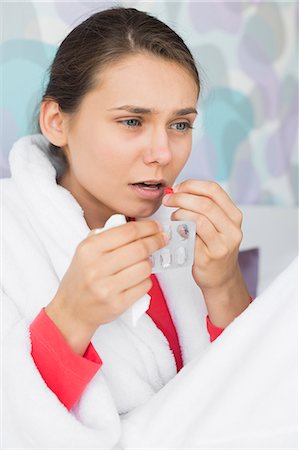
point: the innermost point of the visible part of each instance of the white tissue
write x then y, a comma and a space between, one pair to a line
132, 314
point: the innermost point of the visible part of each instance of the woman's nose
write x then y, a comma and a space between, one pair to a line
158, 148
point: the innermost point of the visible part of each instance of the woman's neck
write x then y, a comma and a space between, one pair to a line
96, 214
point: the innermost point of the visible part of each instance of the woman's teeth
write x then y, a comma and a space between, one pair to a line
149, 187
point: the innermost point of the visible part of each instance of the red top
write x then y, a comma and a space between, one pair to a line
67, 374
159, 312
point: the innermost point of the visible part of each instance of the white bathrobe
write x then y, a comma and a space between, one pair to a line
136, 400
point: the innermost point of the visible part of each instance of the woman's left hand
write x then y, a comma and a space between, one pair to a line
218, 236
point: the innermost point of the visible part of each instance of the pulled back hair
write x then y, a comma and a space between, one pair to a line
104, 38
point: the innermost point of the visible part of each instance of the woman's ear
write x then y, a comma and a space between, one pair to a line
53, 123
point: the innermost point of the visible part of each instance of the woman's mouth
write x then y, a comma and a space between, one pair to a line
149, 190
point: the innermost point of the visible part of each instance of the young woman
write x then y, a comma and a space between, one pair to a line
116, 128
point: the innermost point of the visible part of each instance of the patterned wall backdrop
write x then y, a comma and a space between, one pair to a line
246, 135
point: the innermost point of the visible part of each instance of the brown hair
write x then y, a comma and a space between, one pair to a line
106, 37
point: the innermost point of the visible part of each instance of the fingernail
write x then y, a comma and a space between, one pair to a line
166, 198
166, 237
159, 225
151, 260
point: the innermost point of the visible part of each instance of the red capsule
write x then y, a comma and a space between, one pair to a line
168, 190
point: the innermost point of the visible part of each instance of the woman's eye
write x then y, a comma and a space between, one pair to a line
182, 126
131, 123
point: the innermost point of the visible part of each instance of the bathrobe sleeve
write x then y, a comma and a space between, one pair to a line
33, 417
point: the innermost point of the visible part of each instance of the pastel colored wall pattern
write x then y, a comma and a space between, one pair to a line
246, 135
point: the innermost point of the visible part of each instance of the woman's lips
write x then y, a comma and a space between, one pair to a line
147, 193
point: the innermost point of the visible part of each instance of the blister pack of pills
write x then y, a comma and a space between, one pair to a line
179, 252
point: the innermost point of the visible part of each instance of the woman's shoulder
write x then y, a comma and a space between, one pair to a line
9, 192
14, 216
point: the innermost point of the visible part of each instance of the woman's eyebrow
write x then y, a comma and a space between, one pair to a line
141, 110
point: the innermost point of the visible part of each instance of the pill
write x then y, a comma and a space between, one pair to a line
180, 255
168, 190
165, 258
183, 231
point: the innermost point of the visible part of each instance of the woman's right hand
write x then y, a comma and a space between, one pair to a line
108, 273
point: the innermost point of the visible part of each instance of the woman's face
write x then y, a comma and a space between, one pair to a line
133, 127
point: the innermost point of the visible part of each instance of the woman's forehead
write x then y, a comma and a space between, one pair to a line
148, 65
145, 81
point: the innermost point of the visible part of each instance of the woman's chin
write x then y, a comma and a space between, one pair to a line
144, 211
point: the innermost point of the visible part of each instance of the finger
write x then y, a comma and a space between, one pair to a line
201, 252
134, 252
122, 290
123, 234
214, 191
131, 276
207, 207
131, 295
205, 230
